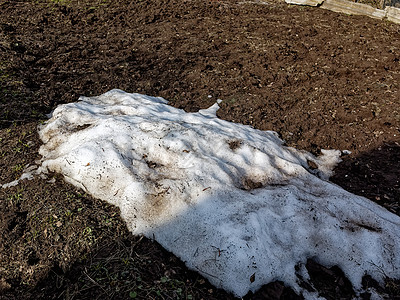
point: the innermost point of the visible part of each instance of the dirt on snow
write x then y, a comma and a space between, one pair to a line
322, 80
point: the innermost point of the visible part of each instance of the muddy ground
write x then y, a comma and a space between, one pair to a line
322, 80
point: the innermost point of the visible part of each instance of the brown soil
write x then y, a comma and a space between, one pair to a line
322, 80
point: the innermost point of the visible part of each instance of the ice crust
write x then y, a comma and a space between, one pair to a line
234, 203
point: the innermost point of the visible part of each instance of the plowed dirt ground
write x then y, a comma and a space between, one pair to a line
322, 80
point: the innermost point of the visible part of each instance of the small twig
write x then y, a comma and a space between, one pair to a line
94, 281
134, 245
12, 121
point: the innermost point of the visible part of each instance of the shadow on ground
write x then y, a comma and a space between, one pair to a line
374, 175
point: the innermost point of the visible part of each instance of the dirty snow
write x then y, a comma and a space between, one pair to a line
232, 202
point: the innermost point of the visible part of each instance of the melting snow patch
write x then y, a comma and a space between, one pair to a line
232, 202
28, 173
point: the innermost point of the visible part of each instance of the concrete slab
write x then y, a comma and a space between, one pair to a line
393, 14
353, 8
305, 2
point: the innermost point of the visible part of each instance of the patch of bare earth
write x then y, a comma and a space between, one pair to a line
318, 78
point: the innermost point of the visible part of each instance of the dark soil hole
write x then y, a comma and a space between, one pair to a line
151, 164
368, 282
18, 47
13, 223
7, 27
249, 184
18, 223
33, 259
274, 291
234, 144
312, 165
370, 228
57, 270
331, 283
82, 127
